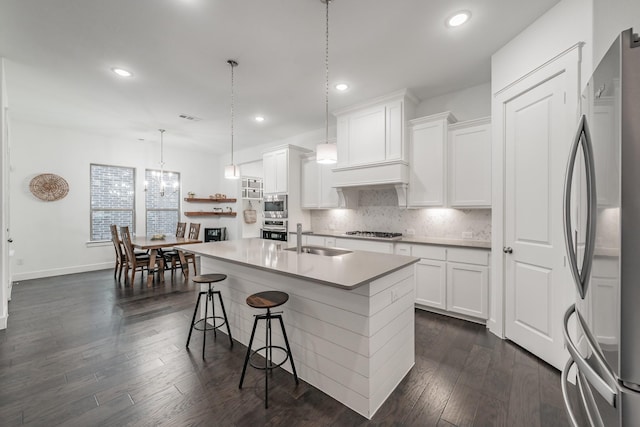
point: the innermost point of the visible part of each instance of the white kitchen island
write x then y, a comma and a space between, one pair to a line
349, 318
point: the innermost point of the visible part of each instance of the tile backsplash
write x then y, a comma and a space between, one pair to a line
378, 211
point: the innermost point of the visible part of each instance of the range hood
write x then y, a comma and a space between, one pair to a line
389, 174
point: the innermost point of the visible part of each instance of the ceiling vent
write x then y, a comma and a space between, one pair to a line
191, 118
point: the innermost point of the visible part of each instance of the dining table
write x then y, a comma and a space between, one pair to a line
154, 245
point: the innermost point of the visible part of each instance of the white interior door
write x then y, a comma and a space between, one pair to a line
537, 147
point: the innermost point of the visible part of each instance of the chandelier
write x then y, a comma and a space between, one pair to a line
162, 180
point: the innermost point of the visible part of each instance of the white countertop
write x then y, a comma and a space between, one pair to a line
424, 240
344, 271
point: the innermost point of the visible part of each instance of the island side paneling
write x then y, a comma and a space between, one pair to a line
355, 345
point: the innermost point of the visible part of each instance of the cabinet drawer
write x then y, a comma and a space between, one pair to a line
429, 252
468, 256
330, 241
365, 245
403, 249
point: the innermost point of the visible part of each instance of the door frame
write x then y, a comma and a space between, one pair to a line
569, 62
5, 265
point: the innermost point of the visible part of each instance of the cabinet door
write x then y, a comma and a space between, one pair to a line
269, 170
431, 284
394, 131
282, 171
328, 195
427, 165
309, 171
467, 289
366, 136
470, 166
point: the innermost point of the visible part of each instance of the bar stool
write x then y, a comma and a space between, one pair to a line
268, 300
209, 279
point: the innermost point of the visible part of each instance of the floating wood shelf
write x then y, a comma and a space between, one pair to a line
210, 213
208, 199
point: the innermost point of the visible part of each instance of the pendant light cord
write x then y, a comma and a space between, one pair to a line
233, 64
326, 88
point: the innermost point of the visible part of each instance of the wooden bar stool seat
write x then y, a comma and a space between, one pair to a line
216, 321
268, 300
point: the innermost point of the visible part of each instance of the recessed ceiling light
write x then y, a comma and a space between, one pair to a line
458, 18
122, 72
259, 119
342, 86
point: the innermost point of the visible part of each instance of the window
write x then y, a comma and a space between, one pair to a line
163, 209
112, 199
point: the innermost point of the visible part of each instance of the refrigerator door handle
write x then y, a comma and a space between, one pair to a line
588, 402
585, 395
605, 386
565, 394
582, 139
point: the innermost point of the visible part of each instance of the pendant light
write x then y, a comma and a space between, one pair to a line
232, 171
326, 152
159, 177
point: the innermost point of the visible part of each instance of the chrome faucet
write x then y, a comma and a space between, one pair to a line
299, 238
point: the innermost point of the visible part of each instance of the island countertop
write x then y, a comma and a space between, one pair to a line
343, 271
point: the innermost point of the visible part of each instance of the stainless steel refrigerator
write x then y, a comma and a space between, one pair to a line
602, 236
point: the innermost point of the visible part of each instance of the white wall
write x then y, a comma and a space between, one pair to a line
5, 277
50, 238
564, 25
466, 104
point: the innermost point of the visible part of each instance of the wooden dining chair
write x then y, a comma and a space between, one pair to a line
190, 257
174, 259
135, 263
181, 228
121, 258
171, 255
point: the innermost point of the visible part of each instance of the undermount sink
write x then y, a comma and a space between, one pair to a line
320, 250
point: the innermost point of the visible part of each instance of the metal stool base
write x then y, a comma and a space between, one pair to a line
268, 366
197, 325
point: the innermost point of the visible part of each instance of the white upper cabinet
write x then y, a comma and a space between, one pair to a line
428, 160
276, 171
317, 185
469, 163
374, 132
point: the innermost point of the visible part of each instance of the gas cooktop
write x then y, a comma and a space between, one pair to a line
375, 234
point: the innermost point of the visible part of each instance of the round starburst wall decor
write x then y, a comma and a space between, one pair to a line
49, 187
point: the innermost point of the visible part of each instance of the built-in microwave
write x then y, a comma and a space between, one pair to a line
275, 206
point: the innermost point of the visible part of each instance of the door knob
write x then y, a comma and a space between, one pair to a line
507, 250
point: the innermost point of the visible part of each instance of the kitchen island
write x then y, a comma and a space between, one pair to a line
349, 318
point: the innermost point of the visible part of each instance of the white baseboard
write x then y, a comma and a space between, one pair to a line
16, 277
3, 322
451, 314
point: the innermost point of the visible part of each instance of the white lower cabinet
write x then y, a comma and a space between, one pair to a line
311, 240
431, 283
451, 279
467, 289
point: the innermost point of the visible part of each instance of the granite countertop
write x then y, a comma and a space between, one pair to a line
424, 240
344, 271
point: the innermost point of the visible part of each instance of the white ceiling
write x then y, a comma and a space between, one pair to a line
59, 54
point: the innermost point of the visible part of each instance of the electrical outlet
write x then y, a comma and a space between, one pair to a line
467, 234
410, 231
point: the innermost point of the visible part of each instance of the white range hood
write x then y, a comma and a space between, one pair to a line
349, 179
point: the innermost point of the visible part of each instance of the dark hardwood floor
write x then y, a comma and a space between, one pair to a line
83, 350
